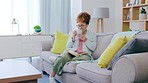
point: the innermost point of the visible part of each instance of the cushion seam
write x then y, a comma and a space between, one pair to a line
95, 72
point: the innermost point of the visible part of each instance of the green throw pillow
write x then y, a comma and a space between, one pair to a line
60, 42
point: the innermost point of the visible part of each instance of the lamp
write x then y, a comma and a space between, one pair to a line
14, 21
99, 14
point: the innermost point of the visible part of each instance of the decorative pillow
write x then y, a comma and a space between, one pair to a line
133, 46
126, 49
111, 50
127, 34
130, 38
60, 42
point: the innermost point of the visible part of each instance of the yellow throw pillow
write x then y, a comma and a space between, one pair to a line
130, 38
111, 50
59, 43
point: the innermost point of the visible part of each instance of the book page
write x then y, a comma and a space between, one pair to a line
75, 53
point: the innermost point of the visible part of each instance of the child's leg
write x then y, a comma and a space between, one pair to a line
60, 62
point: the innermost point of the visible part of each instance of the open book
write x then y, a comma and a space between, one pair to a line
75, 53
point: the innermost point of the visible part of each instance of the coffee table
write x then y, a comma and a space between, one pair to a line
18, 72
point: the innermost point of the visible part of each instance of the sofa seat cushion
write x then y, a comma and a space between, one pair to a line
91, 72
70, 67
49, 57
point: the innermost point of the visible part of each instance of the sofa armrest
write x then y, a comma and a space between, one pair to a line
47, 45
131, 68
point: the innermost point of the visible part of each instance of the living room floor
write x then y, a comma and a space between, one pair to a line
35, 63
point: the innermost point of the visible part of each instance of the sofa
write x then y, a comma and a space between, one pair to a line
130, 68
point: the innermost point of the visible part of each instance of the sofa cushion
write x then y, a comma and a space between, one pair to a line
49, 57
60, 42
126, 49
127, 34
111, 50
103, 40
142, 35
70, 67
134, 46
92, 73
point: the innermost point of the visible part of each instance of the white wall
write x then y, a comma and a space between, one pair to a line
88, 5
118, 15
114, 23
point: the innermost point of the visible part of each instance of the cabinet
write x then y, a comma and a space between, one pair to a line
130, 15
21, 46
10, 46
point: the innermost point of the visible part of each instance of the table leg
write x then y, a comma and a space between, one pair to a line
30, 59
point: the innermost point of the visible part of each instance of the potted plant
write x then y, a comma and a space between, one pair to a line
142, 15
130, 30
37, 28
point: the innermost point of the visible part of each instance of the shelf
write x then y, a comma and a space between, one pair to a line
146, 25
126, 21
135, 21
141, 5
127, 7
138, 20
126, 26
130, 15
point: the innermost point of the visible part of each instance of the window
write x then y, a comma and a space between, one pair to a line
26, 12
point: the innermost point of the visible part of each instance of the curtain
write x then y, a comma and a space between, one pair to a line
5, 17
55, 15
26, 13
